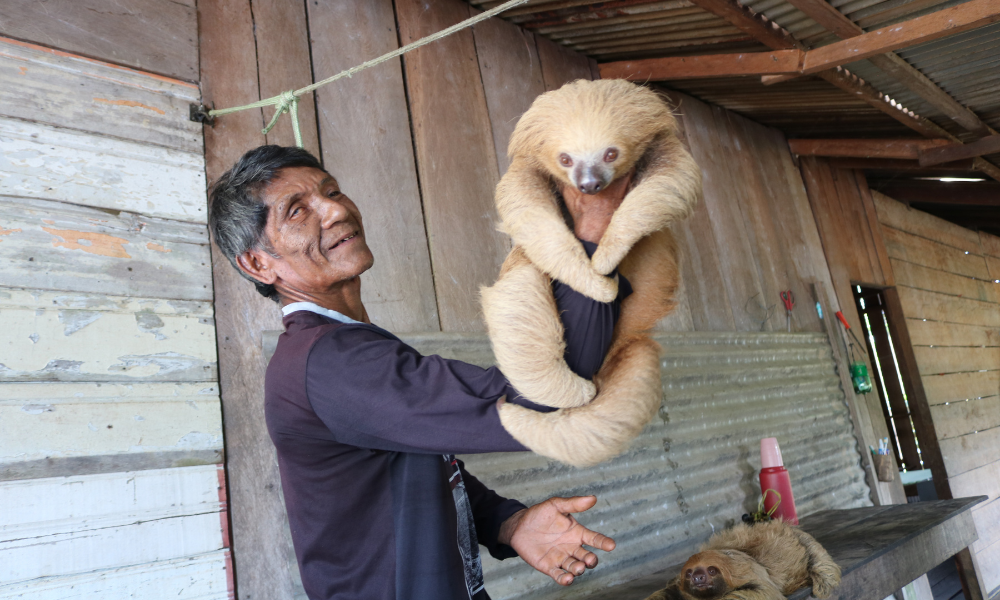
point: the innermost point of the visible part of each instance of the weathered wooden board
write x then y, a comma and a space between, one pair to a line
990, 244
969, 451
455, 158
57, 246
201, 577
928, 333
561, 65
512, 78
151, 35
981, 481
897, 215
941, 359
69, 525
965, 416
53, 336
987, 513
989, 566
57, 420
56, 88
283, 63
44, 162
993, 266
262, 548
961, 386
367, 146
920, 304
751, 310
701, 271
929, 253
925, 278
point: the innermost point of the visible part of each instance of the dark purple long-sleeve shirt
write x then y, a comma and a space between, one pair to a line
366, 430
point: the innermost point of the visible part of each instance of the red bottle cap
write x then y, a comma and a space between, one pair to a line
770, 453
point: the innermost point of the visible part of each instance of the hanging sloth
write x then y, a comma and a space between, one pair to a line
588, 137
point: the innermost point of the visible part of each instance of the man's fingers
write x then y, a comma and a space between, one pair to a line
560, 576
573, 566
576, 504
598, 540
587, 558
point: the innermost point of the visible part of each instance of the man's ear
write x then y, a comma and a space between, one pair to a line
257, 264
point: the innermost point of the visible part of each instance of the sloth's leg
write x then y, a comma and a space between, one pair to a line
528, 338
531, 216
755, 591
668, 187
629, 395
823, 571
652, 269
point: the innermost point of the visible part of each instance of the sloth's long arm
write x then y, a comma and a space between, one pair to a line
667, 191
531, 217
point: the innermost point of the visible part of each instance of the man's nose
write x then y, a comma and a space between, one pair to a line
332, 211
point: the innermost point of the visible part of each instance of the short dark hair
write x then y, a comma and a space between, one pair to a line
237, 214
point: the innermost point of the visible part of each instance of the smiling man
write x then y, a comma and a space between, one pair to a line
365, 427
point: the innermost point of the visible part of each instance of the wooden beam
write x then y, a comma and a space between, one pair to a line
771, 35
891, 64
971, 193
939, 24
699, 67
942, 154
957, 168
865, 148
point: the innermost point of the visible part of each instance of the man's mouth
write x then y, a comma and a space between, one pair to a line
346, 239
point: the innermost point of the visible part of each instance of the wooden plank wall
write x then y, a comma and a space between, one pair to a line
855, 252
948, 281
111, 480
940, 283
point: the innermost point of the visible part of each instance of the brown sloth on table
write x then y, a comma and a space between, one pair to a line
766, 561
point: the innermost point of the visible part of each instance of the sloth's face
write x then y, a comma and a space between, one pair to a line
590, 172
702, 576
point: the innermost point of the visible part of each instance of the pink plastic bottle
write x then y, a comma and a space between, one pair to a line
774, 476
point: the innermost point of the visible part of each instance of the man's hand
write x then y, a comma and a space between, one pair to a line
549, 539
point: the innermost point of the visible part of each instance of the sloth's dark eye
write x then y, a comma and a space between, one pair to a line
565, 160
713, 571
611, 155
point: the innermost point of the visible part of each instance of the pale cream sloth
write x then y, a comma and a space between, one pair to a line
766, 561
588, 137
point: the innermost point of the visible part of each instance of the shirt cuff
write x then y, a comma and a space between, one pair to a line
503, 512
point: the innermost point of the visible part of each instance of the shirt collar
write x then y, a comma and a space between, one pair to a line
319, 310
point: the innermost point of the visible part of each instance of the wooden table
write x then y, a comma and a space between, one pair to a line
879, 548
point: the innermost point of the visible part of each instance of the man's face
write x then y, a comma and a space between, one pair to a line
316, 238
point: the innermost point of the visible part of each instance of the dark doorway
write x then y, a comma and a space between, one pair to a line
888, 379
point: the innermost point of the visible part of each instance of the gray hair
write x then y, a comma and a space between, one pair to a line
237, 214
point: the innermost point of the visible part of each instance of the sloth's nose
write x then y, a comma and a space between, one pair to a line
590, 185
700, 577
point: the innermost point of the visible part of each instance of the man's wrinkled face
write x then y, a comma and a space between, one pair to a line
316, 238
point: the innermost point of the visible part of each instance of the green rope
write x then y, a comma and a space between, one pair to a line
286, 102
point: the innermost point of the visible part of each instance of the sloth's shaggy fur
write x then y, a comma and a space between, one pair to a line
577, 118
521, 314
766, 561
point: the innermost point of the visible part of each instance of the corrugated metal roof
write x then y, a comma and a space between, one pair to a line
694, 470
967, 66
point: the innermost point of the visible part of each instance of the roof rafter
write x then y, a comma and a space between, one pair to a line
775, 37
890, 63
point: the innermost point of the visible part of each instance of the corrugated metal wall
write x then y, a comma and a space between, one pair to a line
694, 470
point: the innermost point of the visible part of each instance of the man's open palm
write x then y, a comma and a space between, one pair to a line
548, 538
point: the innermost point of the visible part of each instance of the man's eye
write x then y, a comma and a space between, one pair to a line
295, 211
333, 193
